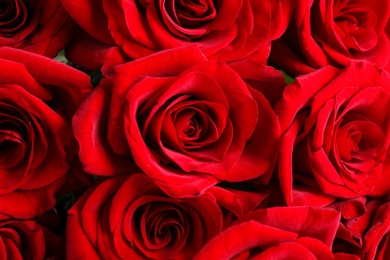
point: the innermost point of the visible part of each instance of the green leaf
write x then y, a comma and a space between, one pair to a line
287, 77
61, 57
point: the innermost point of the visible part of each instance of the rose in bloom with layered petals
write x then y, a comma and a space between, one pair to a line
28, 240
326, 32
39, 26
38, 98
129, 217
187, 122
277, 233
336, 135
223, 31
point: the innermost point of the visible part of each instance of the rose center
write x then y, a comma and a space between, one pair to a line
355, 25
191, 128
13, 17
194, 9
162, 225
187, 19
13, 136
361, 145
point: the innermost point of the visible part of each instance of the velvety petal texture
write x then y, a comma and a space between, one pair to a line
376, 239
281, 233
130, 217
336, 135
36, 138
223, 32
181, 123
28, 240
333, 33
39, 26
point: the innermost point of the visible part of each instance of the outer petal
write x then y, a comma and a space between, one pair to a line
90, 15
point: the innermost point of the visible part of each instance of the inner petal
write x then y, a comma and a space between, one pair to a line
355, 25
13, 16
361, 145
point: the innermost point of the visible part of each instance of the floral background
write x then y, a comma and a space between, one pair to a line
194, 129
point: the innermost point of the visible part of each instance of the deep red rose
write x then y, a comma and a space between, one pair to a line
38, 98
223, 31
335, 142
25, 239
277, 233
39, 26
334, 32
187, 122
130, 217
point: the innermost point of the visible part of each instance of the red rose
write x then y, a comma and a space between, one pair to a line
334, 32
28, 240
36, 138
39, 26
129, 217
223, 32
336, 138
181, 117
277, 233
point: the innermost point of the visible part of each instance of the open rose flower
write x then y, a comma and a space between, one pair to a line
277, 233
187, 122
326, 32
129, 217
223, 31
336, 135
26, 239
39, 26
38, 98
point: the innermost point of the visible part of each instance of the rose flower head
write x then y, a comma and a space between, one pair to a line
336, 137
185, 121
129, 217
324, 32
36, 140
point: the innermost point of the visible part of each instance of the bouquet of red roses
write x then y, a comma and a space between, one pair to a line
194, 129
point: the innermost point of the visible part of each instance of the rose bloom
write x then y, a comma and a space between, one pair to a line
224, 31
325, 32
278, 233
335, 135
38, 98
26, 239
129, 217
187, 122
39, 26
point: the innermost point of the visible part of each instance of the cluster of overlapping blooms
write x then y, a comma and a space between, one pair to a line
194, 129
